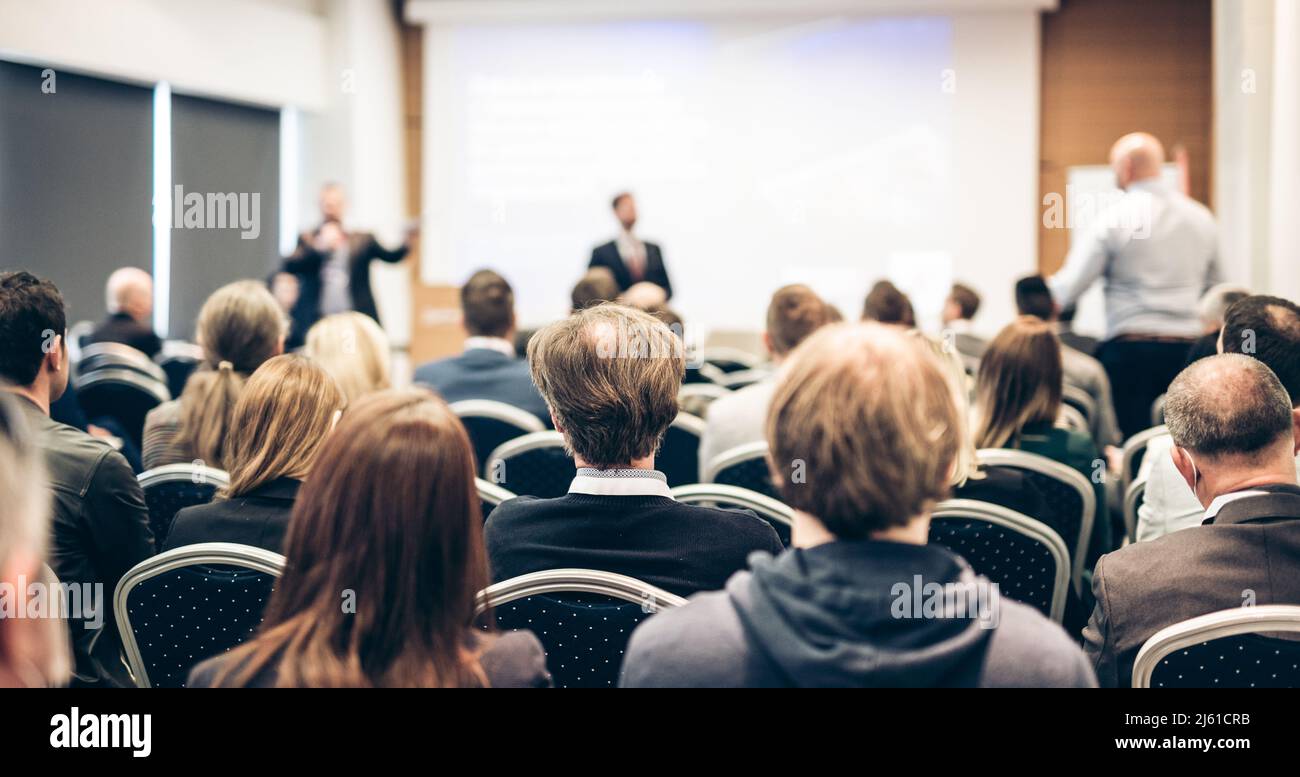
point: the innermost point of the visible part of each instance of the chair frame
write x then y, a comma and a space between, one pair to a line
492, 493
1004, 457
1136, 490
170, 473
1022, 524
690, 422
1070, 417
180, 349
705, 493
547, 438
1260, 619
1130, 448
712, 391
498, 411
152, 386
247, 556
748, 376
573, 580
727, 353
1078, 395
733, 456
126, 357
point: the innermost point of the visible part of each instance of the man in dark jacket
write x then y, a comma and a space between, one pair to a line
1235, 440
637, 265
101, 524
129, 299
861, 599
332, 266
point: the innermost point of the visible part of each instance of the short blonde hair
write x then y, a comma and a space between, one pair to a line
610, 376
355, 350
863, 429
283, 415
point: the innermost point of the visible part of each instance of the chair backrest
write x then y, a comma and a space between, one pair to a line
532, 465
780, 515
739, 379
1133, 451
695, 398
169, 488
1080, 400
1025, 557
1070, 418
679, 453
1069, 498
1158, 411
490, 423
188, 604
178, 360
98, 356
122, 394
490, 495
1133, 498
1225, 649
744, 466
582, 617
729, 359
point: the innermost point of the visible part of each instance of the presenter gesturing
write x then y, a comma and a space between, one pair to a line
637, 265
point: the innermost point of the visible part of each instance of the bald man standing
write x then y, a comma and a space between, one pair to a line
1157, 251
129, 298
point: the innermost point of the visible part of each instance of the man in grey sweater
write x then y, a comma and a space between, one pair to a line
864, 431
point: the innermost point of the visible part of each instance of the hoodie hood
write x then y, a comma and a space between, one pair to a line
867, 614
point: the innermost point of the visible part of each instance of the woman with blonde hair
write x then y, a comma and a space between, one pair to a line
391, 516
283, 415
239, 327
355, 350
1017, 401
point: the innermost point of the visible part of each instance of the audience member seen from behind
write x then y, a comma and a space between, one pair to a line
836, 609
239, 327
610, 375
959, 310
1214, 305
887, 305
354, 349
100, 522
596, 286
283, 416
390, 514
1235, 436
129, 301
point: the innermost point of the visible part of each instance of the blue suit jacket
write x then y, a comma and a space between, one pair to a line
482, 373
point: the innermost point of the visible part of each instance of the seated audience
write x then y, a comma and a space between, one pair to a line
33, 651
1235, 439
1065, 332
959, 309
610, 376
129, 300
738, 418
239, 327
888, 305
597, 286
1214, 304
283, 415
354, 349
1080, 370
388, 515
488, 368
101, 524
1017, 401
830, 611
1267, 328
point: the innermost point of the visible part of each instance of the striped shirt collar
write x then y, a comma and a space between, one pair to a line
620, 482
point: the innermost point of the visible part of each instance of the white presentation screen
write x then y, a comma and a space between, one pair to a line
760, 153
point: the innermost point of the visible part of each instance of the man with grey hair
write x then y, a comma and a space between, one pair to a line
1235, 438
129, 299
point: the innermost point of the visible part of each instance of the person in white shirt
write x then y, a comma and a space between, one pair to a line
1267, 328
739, 418
1156, 251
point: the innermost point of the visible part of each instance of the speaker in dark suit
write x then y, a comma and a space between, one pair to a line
630, 259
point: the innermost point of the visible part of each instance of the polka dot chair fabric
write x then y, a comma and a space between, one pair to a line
679, 455
543, 469
1240, 661
165, 499
751, 473
182, 607
1023, 567
584, 634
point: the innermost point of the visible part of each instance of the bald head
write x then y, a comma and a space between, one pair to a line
1229, 406
1136, 157
130, 291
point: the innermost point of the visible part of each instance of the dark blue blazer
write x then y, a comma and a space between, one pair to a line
607, 256
482, 373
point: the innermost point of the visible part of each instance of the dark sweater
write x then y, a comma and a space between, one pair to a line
258, 518
679, 548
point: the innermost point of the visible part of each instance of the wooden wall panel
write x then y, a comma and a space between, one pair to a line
1115, 66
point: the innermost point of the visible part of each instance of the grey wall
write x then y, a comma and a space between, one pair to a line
76, 192
222, 148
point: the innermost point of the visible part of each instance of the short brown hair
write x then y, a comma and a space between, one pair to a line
794, 313
488, 305
966, 299
867, 412
1019, 382
610, 376
597, 286
888, 305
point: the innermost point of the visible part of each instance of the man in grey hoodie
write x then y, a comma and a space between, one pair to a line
864, 431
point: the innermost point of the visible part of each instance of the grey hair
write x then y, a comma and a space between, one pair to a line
1216, 301
1227, 405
